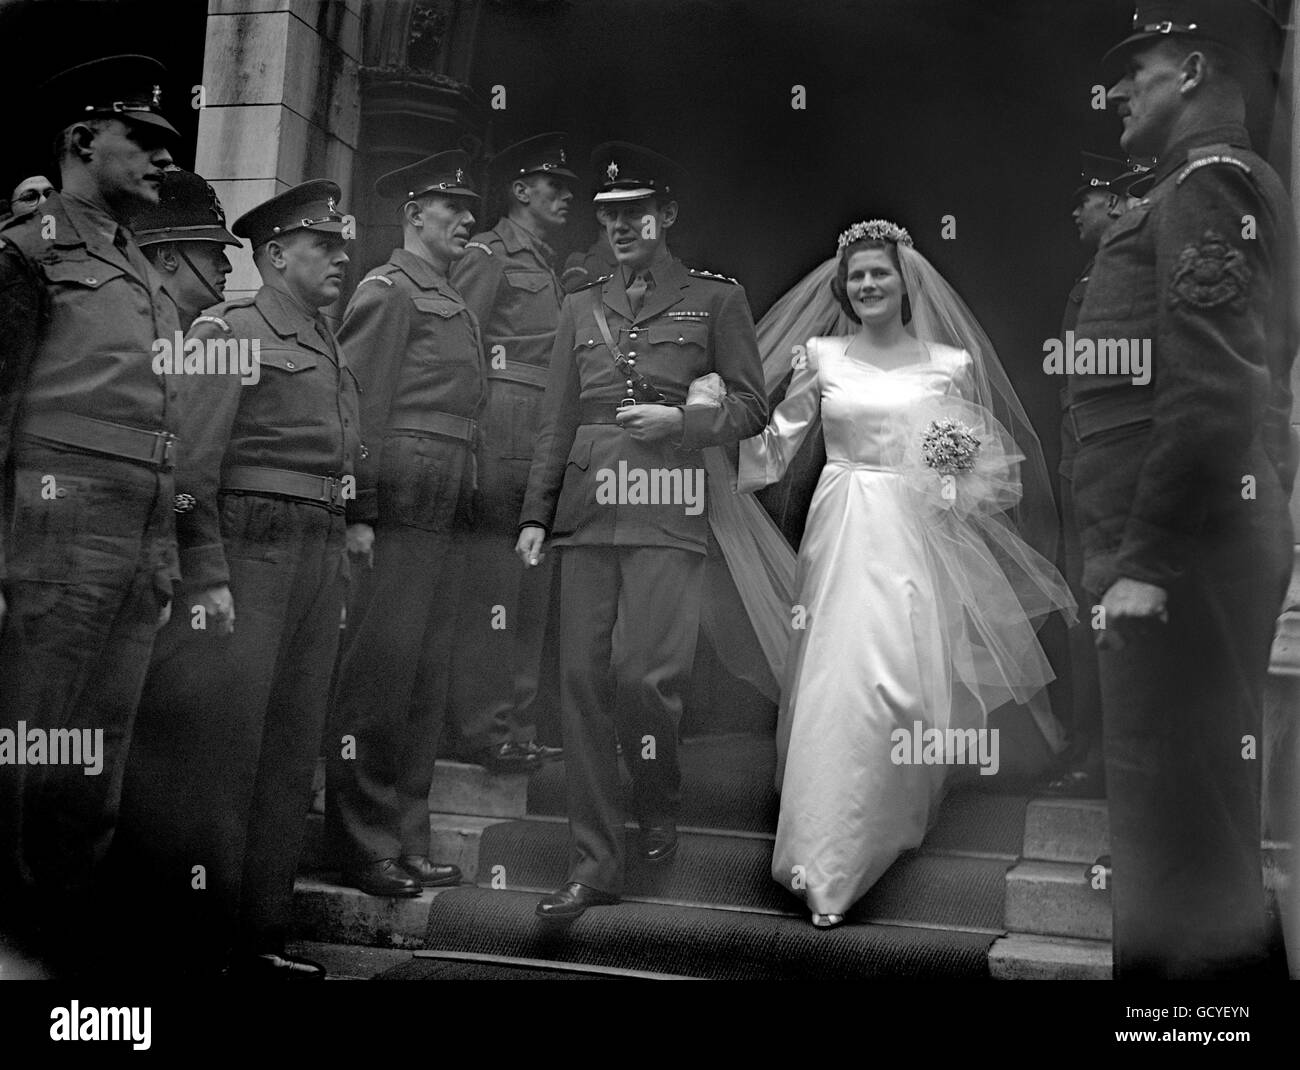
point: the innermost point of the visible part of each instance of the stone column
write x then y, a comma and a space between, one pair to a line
282, 104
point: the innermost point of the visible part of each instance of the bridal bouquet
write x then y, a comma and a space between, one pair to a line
954, 456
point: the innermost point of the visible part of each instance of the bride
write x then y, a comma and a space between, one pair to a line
923, 569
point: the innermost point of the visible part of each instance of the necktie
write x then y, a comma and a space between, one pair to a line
636, 291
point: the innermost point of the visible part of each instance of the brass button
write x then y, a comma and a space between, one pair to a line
92, 280
632, 335
289, 364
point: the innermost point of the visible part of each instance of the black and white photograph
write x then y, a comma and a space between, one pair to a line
648, 490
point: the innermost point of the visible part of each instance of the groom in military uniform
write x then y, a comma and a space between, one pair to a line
618, 406
1181, 487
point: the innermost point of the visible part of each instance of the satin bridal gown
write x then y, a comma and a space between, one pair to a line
870, 656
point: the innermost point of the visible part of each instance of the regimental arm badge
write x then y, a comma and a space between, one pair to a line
1210, 274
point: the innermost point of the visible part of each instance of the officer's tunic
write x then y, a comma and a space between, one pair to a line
230, 727
627, 567
87, 542
506, 280
416, 351
1183, 483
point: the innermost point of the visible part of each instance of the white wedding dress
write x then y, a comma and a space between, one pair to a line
875, 631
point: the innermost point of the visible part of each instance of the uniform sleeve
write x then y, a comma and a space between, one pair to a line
374, 334
765, 457
477, 277
1211, 379
735, 358
21, 303
208, 405
559, 426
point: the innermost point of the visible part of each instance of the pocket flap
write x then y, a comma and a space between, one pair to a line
532, 281
287, 360
580, 454
439, 306
691, 334
89, 273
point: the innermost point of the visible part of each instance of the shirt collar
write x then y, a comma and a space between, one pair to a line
655, 272
421, 271
515, 236
92, 215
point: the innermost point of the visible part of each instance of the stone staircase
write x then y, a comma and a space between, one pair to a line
1055, 920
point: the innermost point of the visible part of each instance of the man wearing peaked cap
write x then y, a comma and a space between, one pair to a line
184, 236
618, 398
238, 689
1181, 481
417, 353
507, 278
1104, 194
87, 435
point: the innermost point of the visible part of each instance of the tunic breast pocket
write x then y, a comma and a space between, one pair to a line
681, 350
533, 308
293, 375
1122, 284
450, 324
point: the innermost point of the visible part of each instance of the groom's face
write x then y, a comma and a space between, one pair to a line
636, 229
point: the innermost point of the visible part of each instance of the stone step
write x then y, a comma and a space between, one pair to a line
1066, 830
453, 838
1056, 899
350, 962
326, 913
1022, 957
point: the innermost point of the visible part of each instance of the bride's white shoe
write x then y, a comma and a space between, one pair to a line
827, 921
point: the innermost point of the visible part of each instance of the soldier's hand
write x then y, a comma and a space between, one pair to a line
1128, 606
361, 543
218, 608
651, 423
529, 546
164, 615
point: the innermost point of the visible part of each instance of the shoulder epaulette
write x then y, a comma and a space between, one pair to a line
376, 278
1206, 155
212, 319
478, 245
701, 273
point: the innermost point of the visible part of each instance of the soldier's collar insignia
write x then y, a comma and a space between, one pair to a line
612, 170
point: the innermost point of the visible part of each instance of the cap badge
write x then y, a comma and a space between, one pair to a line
612, 170
562, 156
460, 176
156, 97
329, 205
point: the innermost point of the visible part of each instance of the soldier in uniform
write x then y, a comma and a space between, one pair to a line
419, 358
184, 236
626, 352
1181, 484
586, 266
234, 709
28, 195
507, 279
87, 539
1107, 189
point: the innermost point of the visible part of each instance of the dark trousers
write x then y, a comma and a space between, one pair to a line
391, 696
1181, 703
1085, 683
496, 666
228, 734
91, 551
629, 619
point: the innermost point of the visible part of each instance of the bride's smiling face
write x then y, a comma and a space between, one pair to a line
874, 286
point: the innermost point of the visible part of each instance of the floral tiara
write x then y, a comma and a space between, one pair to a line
881, 229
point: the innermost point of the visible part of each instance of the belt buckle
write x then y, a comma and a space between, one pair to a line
333, 489
626, 403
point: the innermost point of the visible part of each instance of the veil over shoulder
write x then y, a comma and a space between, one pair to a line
993, 559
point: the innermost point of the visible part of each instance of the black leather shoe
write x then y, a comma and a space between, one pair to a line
503, 758
383, 878
545, 753
429, 874
657, 843
572, 900
272, 967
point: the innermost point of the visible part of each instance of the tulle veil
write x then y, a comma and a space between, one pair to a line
1019, 535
